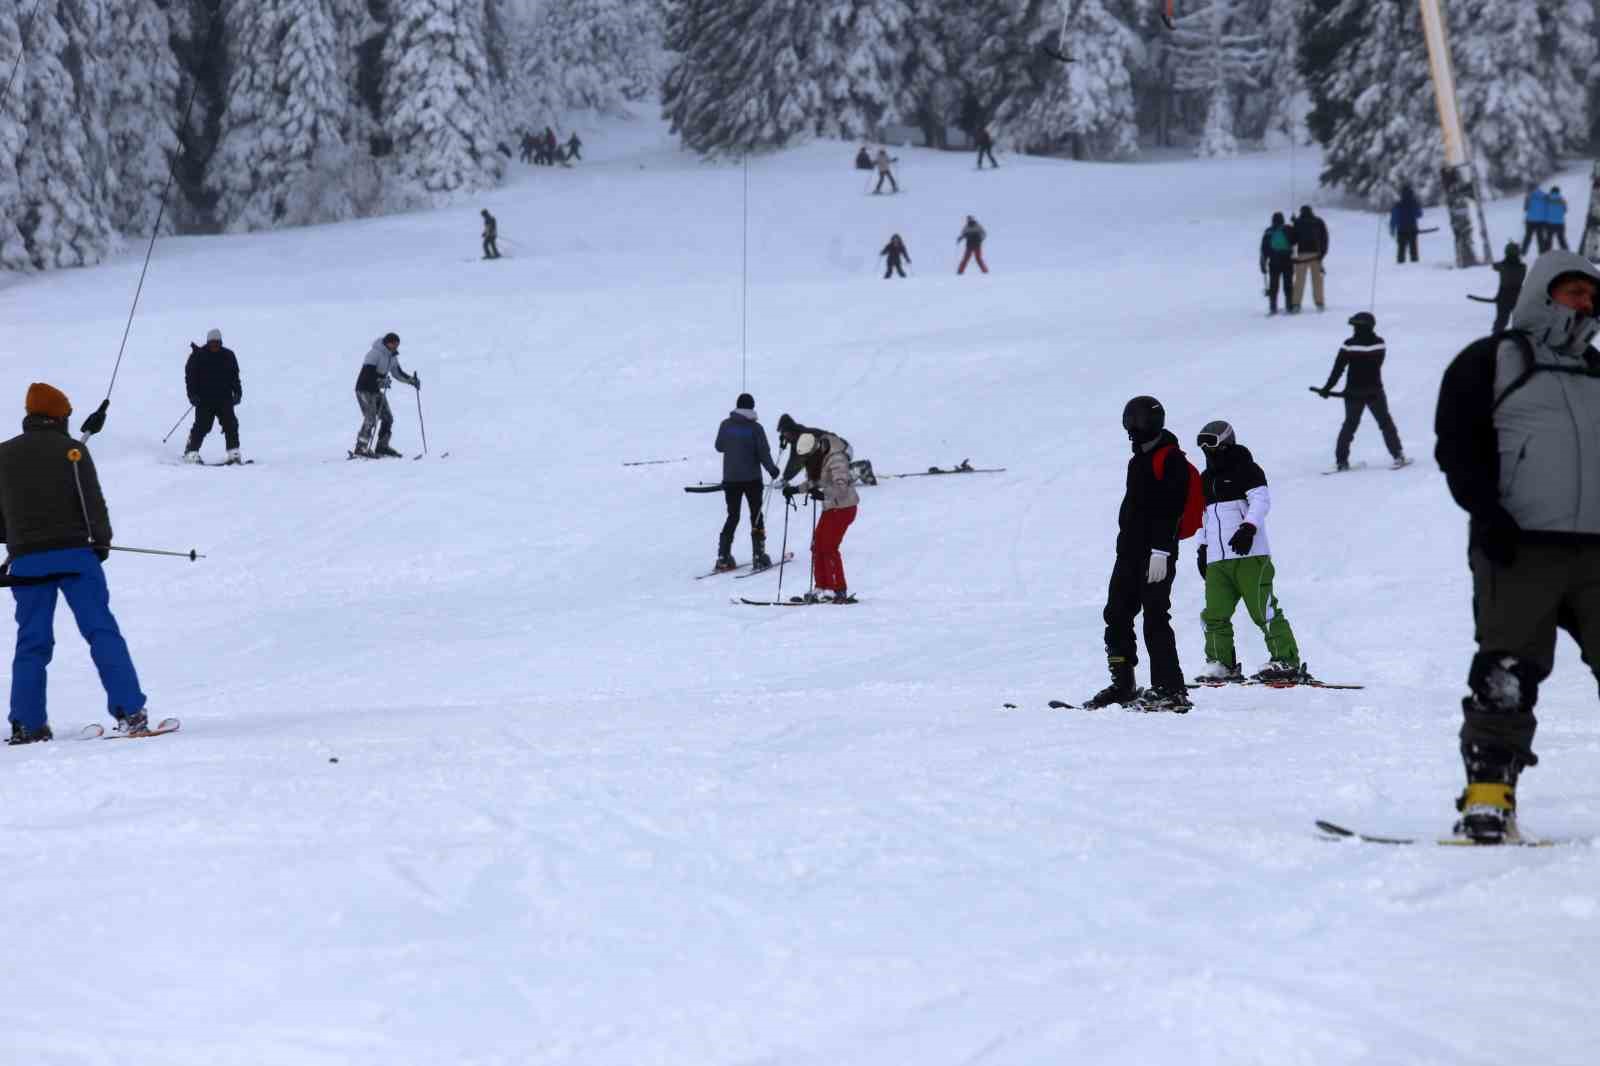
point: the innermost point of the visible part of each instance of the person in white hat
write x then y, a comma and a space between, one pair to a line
212, 377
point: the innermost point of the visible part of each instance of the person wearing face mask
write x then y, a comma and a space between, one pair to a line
1235, 561
1146, 563
1518, 427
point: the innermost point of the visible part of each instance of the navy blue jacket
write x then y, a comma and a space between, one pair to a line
744, 448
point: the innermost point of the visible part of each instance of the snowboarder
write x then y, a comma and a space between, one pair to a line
745, 453
574, 147
491, 234
1277, 263
1512, 271
1517, 423
1311, 247
896, 252
211, 377
883, 162
985, 145
1555, 220
1363, 355
1235, 561
1146, 564
826, 457
1534, 209
973, 235
380, 363
863, 159
57, 531
1404, 218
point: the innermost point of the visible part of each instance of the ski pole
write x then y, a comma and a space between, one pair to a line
190, 555
783, 552
176, 424
420, 423
813, 545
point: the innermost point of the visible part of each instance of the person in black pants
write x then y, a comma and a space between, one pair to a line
896, 251
212, 378
1363, 355
1512, 271
1277, 263
1146, 563
985, 145
745, 453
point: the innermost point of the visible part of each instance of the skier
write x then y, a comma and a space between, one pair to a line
1555, 220
1145, 566
985, 145
1404, 218
863, 159
381, 361
826, 457
57, 531
1363, 354
1311, 247
882, 162
974, 235
896, 252
528, 147
1512, 271
1277, 263
211, 377
1236, 563
491, 234
1534, 209
745, 452
1518, 423
574, 147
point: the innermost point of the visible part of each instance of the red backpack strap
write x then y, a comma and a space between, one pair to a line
1158, 461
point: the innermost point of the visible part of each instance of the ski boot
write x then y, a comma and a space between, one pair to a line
361, 451
1278, 672
193, 457
759, 559
1216, 673
1122, 690
136, 724
1341, 466
1488, 813
234, 458
1399, 461
1174, 700
383, 451
762, 561
724, 563
21, 734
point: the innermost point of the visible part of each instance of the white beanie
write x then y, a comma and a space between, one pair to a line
213, 335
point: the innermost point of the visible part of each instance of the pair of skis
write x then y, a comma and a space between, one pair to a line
743, 570
964, 467
798, 601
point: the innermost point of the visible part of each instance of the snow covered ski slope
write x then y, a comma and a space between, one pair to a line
473, 772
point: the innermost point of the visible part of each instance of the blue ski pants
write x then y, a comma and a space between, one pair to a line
84, 586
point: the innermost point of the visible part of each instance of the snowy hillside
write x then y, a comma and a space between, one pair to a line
586, 811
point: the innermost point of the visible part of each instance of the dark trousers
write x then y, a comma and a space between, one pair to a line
1130, 594
1502, 315
894, 267
491, 250
1405, 241
1555, 234
885, 176
205, 416
1354, 407
737, 493
987, 150
1530, 230
1280, 274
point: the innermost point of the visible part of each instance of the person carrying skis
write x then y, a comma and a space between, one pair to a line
883, 162
1235, 561
1277, 263
1146, 565
491, 233
1555, 220
745, 453
372, 385
57, 532
973, 235
1534, 208
1311, 247
896, 251
1404, 219
863, 159
985, 145
1518, 426
574, 147
826, 458
211, 377
1512, 271
1363, 354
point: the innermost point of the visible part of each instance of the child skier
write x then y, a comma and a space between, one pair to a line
1363, 353
974, 235
1235, 561
827, 461
491, 234
897, 253
372, 385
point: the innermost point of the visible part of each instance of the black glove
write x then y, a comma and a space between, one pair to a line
102, 552
1200, 561
790, 491
816, 494
416, 382
96, 420
1242, 538
1324, 392
1496, 535
5, 567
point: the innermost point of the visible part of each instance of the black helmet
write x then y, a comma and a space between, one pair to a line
391, 338
1144, 418
1216, 434
1363, 320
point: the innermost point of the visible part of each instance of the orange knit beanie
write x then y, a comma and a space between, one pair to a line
47, 400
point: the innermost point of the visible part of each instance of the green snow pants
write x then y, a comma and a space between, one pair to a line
1249, 579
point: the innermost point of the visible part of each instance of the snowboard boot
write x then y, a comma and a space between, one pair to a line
1488, 813
132, 725
1216, 673
1280, 672
724, 563
383, 451
1173, 700
21, 734
1122, 690
192, 457
234, 458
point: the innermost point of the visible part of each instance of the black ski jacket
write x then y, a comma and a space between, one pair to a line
1151, 506
1230, 474
39, 505
212, 377
745, 450
1363, 355
896, 251
1512, 274
1310, 236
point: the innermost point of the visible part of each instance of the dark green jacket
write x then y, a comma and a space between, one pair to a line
39, 505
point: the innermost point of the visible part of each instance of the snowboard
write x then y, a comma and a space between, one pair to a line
96, 731
1402, 464
1332, 831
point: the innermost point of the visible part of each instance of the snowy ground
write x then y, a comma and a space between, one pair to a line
586, 811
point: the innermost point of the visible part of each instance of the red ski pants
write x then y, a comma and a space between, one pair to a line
974, 251
827, 567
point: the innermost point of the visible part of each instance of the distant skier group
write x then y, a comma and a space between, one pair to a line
1544, 216
543, 150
